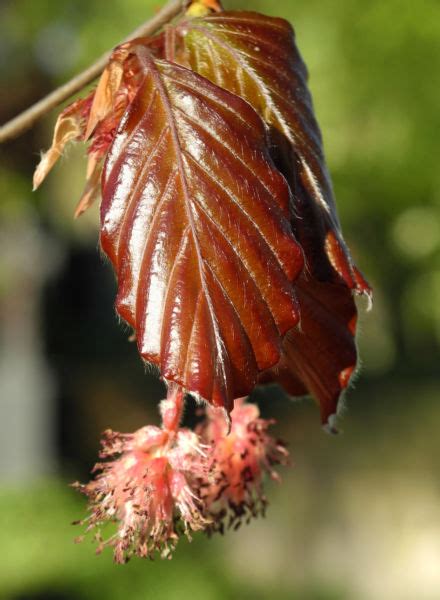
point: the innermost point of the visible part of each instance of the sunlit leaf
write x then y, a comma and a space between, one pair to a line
70, 126
198, 221
195, 219
255, 57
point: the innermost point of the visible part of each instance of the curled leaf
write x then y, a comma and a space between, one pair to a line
104, 99
255, 57
92, 189
319, 356
96, 117
70, 126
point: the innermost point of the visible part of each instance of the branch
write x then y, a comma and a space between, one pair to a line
27, 118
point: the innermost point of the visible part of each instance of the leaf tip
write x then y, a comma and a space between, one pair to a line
48, 159
330, 426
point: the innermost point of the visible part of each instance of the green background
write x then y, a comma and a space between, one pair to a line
357, 516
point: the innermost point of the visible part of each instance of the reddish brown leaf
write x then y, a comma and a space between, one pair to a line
320, 355
255, 57
70, 126
97, 116
195, 222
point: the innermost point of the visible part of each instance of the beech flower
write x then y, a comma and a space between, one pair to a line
239, 461
146, 486
161, 482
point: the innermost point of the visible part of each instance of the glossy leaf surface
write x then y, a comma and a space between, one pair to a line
195, 219
256, 57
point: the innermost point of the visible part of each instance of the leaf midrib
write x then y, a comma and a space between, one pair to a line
150, 64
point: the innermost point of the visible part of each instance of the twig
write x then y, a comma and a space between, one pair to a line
27, 118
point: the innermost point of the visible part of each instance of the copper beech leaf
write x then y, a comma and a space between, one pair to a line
195, 219
319, 356
255, 57
321, 353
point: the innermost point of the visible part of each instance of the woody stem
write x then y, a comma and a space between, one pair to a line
27, 118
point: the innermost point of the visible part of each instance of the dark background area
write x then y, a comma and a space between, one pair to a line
357, 516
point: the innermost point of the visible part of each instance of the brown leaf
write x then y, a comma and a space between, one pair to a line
70, 126
104, 99
322, 353
92, 189
195, 219
319, 356
256, 57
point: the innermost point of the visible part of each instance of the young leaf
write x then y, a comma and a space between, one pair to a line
255, 57
195, 219
70, 126
319, 357
322, 353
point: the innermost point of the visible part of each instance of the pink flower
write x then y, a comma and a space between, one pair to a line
161, 482
147, 486
239, 460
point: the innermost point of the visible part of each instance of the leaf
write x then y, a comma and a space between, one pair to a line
70, 126
195, 221
320, 355
200, 8
255, 57
92, 188
96, 118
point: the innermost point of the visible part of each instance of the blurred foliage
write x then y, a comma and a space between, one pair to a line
358, 517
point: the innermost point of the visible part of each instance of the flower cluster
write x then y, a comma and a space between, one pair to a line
239, 461
161, 482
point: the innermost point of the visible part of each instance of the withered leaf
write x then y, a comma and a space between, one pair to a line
70, 126
195, 219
